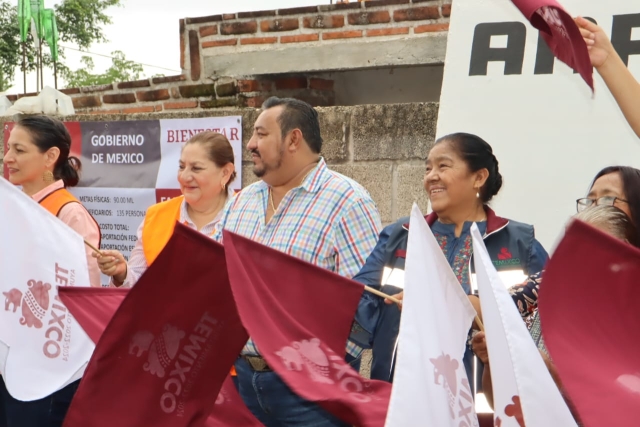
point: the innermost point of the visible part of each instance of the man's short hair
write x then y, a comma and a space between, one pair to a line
298, 115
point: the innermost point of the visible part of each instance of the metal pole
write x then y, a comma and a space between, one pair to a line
24, 66
55, 74
41, 68
37, 72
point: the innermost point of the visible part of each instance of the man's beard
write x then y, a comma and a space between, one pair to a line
262, 170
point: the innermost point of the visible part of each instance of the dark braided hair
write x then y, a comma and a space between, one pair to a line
478, 154
47, 132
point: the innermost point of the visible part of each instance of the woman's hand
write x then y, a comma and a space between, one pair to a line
599, 45
396, 296
112, 263
479, 347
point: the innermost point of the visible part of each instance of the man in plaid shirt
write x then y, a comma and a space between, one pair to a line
304, 209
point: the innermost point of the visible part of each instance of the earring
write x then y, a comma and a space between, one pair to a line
223, 185
48, 177
478, 195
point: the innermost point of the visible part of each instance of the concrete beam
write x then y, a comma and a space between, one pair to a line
306, 58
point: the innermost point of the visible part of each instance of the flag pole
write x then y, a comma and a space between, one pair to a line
94, 248
41, 68
55, 74
24, 66
382, 294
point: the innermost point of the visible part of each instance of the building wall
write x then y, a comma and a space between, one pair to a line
381, 146
369, 52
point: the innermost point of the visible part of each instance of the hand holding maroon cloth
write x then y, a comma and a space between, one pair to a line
170, 345
592, 341
561, 34
299, 315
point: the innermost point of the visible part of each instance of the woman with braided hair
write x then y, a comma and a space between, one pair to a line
461, 177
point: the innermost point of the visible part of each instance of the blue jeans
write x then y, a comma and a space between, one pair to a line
275, 404
47, 412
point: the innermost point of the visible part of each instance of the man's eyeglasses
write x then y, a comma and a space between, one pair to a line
584, 203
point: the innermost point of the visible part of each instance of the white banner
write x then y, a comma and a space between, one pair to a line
549, 134
42, 346
430, 386
523, 391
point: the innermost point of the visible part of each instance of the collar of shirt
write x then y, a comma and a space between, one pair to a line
186, 219
48, 190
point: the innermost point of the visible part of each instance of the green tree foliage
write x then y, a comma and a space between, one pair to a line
121, 70
80, 22
10, 54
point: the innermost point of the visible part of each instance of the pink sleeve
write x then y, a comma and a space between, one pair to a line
77, 217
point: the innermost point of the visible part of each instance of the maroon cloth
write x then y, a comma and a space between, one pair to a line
561, 34
593, 342
166, 352
93, 308
230, 410
299, 316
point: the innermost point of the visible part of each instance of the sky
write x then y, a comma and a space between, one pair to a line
147, 31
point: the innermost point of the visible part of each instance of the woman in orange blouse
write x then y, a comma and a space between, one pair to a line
38, 160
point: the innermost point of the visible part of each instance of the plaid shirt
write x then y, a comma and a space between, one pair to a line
329, 220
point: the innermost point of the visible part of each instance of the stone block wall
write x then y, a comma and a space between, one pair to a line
381, 146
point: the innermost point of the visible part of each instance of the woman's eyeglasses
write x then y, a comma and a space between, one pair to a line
584, 203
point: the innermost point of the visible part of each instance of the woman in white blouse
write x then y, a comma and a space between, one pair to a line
206, 169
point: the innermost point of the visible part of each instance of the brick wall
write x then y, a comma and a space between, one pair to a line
176, 93
335, 26
313, 25
381, 146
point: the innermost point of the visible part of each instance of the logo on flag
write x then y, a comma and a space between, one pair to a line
162, 349
552, 17
446, 368
180, 364
317, 359
34, 304
513, 410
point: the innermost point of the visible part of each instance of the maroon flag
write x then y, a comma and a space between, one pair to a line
561, 34
589, 317
93, 308
166, 352
299, 316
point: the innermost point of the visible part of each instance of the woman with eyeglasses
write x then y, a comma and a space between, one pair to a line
607, 218
617, 186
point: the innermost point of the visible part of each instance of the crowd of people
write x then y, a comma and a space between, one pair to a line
301, 207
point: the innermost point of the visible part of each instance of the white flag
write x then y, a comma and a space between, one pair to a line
430, 386
44, 347
523, 391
